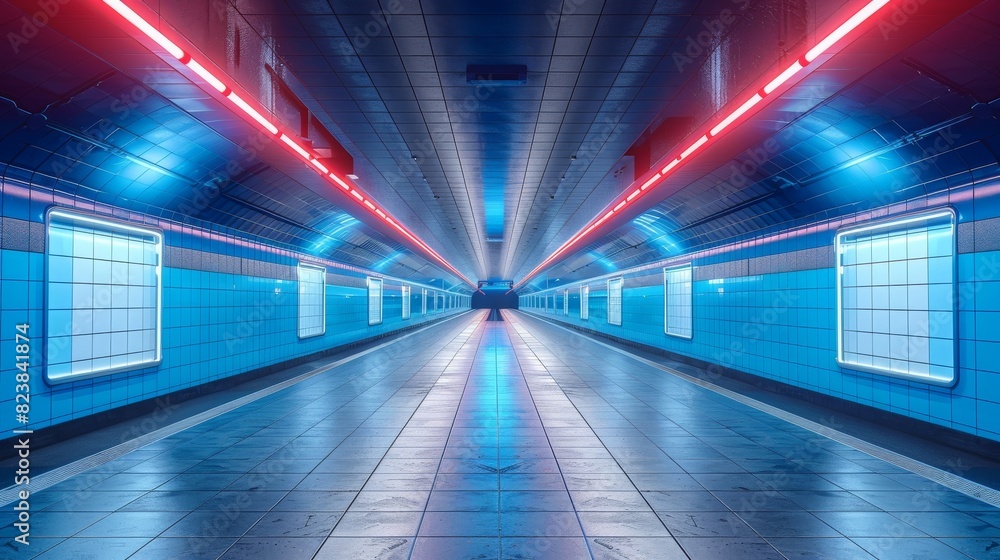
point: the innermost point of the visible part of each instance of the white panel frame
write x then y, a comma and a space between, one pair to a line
298, 273
376, 287
616, 285
112, 225
405, 295
585, 303
667, 272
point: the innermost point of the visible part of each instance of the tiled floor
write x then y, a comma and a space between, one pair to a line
511, 439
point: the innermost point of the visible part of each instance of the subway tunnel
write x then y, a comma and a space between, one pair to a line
443, 279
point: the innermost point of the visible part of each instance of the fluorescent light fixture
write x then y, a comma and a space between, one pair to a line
749, 104
783, 77
697, 144
147, 29
254, 114
295, 146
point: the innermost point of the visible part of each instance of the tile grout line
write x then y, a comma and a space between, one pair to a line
562, 475
389, 448
386, 376
458, 407
947, 479
305, 377
9, 494
643, 494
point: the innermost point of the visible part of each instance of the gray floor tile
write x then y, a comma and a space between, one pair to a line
338, 548
628, 548
544, 548
283, 524
285, 548
458, 548
377, 524
499, 445
622, 524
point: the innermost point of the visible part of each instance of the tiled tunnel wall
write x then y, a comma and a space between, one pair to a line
229, 306
767, 307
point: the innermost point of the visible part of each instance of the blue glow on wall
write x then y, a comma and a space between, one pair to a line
659, 232
333, 228
380, 266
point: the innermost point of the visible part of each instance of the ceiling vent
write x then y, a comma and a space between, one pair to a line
496, 74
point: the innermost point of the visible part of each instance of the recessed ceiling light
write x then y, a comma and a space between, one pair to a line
352, 176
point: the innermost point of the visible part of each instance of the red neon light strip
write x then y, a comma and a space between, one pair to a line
852, 23
219, 85
750, 103
318, 165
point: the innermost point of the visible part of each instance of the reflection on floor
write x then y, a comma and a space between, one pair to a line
513, 439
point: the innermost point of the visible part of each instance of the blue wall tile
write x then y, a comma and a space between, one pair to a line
782, 326
214, 325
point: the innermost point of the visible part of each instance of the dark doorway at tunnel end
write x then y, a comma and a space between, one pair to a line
495, 295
